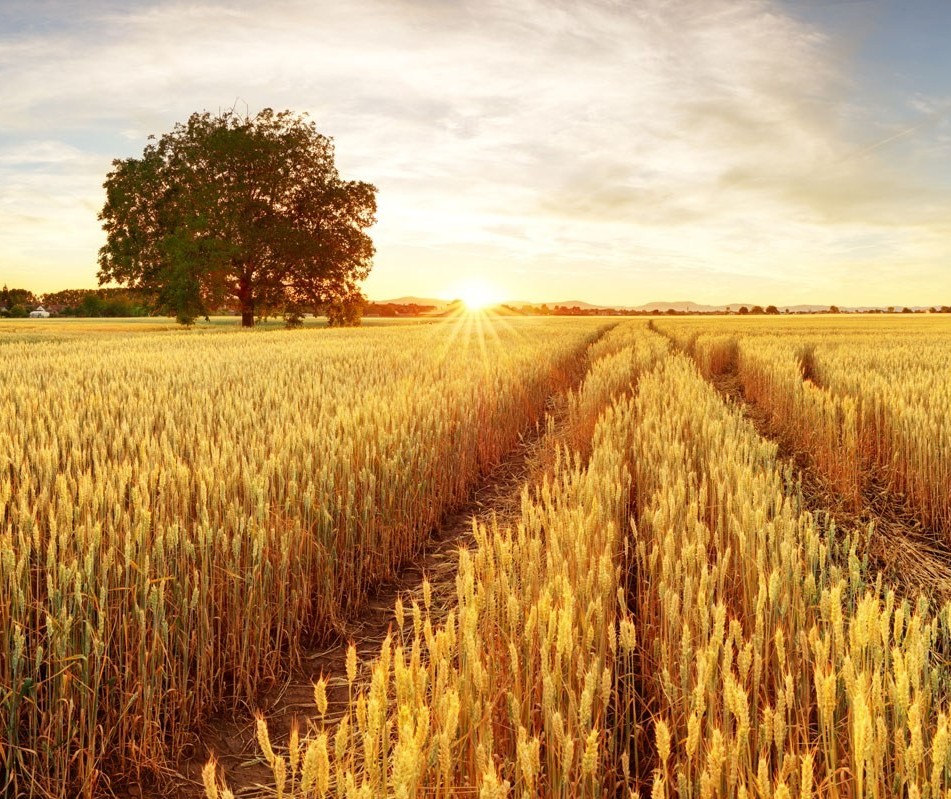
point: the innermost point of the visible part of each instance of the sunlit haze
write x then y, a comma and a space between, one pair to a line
751, 151
476, 293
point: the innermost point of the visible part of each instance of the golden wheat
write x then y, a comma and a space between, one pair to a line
721, 643
179, 512
515, 693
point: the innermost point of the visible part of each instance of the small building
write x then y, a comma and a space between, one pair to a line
40, 313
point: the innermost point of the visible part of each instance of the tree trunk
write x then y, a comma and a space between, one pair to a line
246, 299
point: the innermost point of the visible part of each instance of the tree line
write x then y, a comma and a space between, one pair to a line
106, 302
17, 303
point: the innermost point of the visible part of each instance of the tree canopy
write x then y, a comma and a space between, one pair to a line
240, 210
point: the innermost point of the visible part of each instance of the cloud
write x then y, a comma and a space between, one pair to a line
645, 145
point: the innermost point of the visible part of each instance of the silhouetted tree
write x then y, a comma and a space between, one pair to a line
249, 209
772, 309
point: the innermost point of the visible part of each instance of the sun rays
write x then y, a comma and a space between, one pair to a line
473, 327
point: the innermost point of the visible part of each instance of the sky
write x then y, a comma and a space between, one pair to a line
613, 151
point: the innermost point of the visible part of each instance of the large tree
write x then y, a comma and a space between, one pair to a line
231, 209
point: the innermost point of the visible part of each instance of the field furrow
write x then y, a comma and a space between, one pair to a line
781, 666
521, 688
181, 515
497, 559
825, 435
431, 573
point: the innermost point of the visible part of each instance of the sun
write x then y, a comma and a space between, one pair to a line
477, 294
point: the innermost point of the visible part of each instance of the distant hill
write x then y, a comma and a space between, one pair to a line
683, 306
512, 304
415, 301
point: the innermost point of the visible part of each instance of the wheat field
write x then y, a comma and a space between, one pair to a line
690, 601
159, 492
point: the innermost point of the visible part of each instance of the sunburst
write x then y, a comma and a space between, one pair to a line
477, 294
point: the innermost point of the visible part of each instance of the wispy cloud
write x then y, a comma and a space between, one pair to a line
603, 148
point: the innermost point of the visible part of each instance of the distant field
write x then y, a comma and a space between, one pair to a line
724, 570
40, 329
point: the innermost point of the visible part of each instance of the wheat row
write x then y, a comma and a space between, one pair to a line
515, 693
869, 402
664, 619
180, 513
777, 666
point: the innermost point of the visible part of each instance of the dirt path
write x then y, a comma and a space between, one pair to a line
232, 739
910, 557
